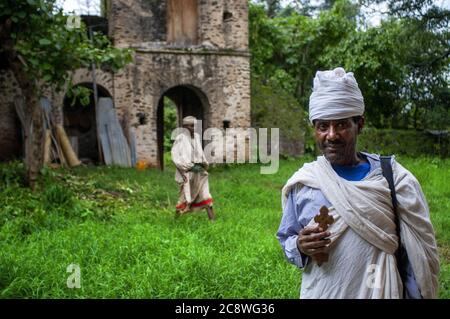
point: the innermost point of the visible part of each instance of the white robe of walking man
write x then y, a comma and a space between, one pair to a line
191, 171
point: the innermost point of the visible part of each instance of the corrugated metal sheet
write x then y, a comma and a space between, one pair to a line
114, 145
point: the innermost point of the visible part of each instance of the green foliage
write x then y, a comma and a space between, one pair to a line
264, 41
142, 251
57, 197
49, 48
402, 66
286, 48
11, 175
272, 106
391, 64
407, 142
170, 122
60, 195
310, 142
79, 93
373, 56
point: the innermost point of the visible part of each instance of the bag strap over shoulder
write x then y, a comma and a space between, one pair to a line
400, 254
386, 167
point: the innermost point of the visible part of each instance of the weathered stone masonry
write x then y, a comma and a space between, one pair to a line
210, 61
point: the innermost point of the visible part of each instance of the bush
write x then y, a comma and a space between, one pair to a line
170, 122
58, 197
406, 142
12, 174
274, 107
392, 141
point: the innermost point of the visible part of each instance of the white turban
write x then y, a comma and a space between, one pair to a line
189, 120
335, 96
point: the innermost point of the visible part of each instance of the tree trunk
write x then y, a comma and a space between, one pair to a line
34, 131
34, 150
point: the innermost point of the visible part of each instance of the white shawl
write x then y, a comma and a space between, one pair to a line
366, 207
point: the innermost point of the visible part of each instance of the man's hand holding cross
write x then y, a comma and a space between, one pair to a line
313, 241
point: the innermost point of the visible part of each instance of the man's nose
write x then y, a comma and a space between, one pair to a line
332, 134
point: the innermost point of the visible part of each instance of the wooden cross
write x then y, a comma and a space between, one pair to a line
323, 219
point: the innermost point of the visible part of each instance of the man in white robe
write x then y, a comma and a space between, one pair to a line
362, 241
191, 171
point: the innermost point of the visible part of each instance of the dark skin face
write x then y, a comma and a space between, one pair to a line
337, 140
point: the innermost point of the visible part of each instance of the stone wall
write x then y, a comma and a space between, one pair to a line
216, 69
132, 21
10, 128
221, 82
222, 24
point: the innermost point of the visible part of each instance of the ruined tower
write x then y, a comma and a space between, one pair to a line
194, 52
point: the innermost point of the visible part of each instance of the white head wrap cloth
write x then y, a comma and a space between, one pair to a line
335, 95
189, 120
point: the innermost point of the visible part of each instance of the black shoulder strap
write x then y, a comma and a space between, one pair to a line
386, 167
401, 254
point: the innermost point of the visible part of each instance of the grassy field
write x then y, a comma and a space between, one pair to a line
118, 225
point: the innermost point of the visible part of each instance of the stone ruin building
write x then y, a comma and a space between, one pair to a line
194, 52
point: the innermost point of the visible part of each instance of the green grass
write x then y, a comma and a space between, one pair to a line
118, 225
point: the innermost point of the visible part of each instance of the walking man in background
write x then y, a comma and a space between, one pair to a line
191, 171
367, 214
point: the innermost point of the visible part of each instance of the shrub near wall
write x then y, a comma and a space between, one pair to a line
408, 142
274, 107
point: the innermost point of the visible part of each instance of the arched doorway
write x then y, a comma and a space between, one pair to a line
11, 135
188, 100
80, 124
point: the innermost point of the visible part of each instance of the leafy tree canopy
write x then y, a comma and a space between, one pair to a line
402, 65
37, 33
